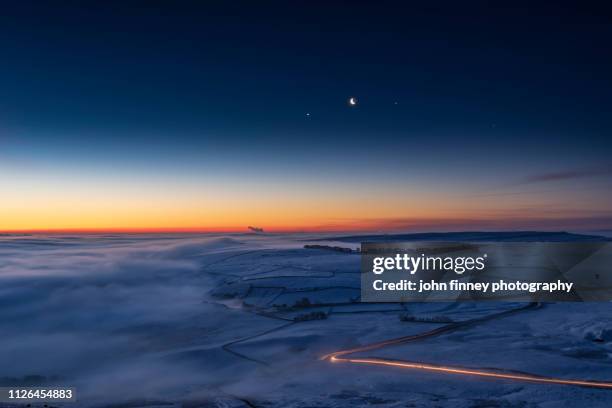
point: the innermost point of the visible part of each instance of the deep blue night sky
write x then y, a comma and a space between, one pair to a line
455, 99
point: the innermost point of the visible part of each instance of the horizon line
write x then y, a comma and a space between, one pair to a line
196, 230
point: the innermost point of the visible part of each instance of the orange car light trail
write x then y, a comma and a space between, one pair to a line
341, 356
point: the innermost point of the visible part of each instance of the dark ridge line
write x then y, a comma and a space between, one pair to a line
473, 236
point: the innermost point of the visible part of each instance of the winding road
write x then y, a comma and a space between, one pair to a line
346, 356
343, 356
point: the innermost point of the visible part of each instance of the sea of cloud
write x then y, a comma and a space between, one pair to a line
107, 314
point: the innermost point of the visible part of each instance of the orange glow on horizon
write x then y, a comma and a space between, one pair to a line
170, 230
34, 206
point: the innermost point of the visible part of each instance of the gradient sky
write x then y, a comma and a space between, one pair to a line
192, 115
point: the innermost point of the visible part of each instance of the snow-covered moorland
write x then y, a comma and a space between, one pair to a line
242, 320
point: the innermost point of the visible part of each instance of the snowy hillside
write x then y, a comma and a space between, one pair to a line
243, 320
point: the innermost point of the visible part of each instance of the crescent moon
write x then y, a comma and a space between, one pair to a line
352, 101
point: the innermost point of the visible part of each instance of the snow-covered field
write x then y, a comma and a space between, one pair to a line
242, 320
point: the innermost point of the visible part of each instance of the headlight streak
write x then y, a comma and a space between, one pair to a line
340, 356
